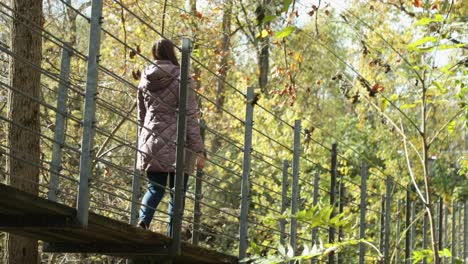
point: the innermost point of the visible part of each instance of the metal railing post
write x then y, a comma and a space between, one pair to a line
59, 131
362, 219
397, 233
440, 222
341, 190
424, 234
459, 230
245, 188
382, 224
294, 185
314, 202
444, 242
453, 240
135, 187
388, 193
413, 227
198, 196
177, 211
407, 225
87, 142
284, 201
333, 172
465, 233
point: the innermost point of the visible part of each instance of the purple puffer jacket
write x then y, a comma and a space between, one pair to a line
158, 98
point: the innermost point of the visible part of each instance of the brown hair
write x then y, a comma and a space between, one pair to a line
163, 49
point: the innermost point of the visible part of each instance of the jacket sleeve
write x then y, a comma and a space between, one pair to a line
141, 103
194, 140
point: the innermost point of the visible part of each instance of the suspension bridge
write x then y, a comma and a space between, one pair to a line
90, 204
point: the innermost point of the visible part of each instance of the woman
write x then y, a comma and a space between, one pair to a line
158, 99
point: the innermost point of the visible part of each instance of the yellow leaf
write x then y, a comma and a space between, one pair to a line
298, 57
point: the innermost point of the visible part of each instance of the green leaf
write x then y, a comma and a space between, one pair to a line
426, 20
196, 53
383, 104
268, 18
255, 248
445, 253
419, 42
264, 33
394, 97
285, 32
407, 106
441, 89
451, 127
286, 4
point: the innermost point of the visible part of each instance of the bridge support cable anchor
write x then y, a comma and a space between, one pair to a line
295, 184
177, 211
245, 186
89, 125
60, 120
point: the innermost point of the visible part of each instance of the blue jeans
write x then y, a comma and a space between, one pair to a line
157, 182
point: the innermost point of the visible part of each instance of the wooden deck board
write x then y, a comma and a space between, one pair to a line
102, 236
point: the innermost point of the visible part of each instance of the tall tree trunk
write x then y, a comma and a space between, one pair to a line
263, 63
264, 50
196, 67
224, 65
27, 44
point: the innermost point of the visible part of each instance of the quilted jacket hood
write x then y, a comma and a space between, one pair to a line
160, 75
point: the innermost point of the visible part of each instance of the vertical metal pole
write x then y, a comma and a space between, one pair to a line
198, 196
284, 201
196, 208
453, 240
314, 202
444, 242
440, 223
331, 231
413, 227
459, 231
245, 189
87, 142
135, 186
388, 194
59, 131
363, 207
407, 225
465, 233
177, 211
382, 224
295, 189
339, 257
424, 234
397, 233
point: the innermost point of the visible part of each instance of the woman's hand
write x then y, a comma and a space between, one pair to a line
200, 161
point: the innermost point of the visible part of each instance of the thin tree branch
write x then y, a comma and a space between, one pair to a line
410, 169
444, 126
101, 149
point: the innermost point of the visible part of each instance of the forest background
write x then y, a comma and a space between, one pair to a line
370, 75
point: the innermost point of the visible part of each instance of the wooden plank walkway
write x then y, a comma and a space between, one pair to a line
31, 216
